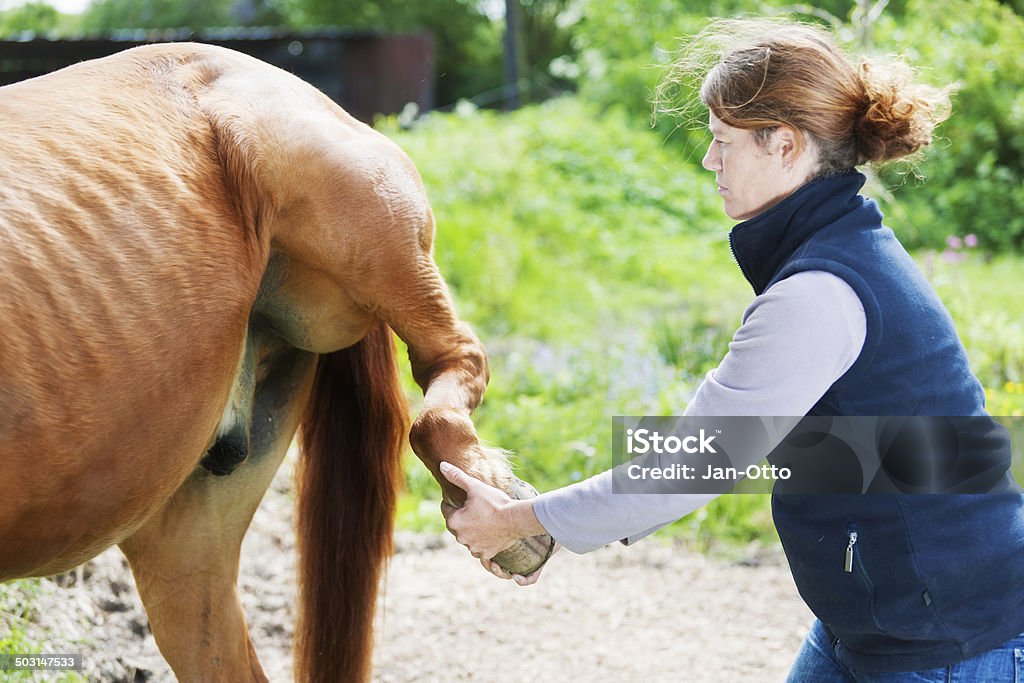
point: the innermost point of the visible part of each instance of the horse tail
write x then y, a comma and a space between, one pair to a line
348, 479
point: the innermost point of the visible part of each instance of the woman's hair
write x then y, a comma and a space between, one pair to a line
757, 74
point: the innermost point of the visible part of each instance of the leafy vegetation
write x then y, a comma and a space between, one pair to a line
976, 176
17, 600
32, 17
107, 15
976, 170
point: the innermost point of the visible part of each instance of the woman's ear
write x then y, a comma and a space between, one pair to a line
788, 144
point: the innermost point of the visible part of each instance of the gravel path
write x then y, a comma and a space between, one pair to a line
650, 613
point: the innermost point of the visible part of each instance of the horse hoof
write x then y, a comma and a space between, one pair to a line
526, 556
529, 554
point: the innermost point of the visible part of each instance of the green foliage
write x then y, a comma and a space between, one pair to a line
1016, 5
16, 600
728, 521
974, 171
623, 47
17, 610
545, 38
35, 17
975, 176
989, 313
108, 15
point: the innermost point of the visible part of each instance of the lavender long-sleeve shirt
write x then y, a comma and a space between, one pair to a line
795, 341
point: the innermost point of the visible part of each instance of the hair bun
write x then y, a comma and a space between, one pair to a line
899, 115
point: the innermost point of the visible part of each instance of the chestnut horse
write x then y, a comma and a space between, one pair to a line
201, 255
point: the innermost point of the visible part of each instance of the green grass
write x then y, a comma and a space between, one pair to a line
594, 265
17, 600
983, 296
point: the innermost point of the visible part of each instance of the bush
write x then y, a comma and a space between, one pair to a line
975, 174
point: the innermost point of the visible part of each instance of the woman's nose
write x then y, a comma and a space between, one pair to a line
711, 160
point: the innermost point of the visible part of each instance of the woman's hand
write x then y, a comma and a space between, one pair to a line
489, 522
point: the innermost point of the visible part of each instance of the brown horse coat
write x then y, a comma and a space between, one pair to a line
200, 250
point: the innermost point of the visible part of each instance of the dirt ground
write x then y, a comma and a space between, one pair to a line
646, 613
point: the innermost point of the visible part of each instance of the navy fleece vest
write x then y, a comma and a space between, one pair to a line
934, 578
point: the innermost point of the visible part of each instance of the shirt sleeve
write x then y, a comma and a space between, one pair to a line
796, 339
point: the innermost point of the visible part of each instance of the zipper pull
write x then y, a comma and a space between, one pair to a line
848, 567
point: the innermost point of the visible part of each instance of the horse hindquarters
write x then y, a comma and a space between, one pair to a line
349, 474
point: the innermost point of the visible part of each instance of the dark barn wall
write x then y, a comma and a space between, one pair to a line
366, 73
384, 74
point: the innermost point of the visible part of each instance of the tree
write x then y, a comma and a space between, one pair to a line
975, 176
37, 17
107, 15
546, 35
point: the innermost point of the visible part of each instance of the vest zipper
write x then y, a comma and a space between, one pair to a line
736, 258
848, 567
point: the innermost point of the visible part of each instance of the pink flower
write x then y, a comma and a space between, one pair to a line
971, 240
954, 242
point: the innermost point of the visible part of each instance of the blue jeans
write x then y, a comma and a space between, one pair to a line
817, 663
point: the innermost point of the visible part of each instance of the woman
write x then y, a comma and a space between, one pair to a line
843, 324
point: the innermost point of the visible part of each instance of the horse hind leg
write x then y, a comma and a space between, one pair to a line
185, 558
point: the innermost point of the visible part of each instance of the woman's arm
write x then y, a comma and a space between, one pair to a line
795, 341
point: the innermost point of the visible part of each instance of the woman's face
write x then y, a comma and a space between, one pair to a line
751, 177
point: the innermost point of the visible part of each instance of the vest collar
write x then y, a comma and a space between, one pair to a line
762, 244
